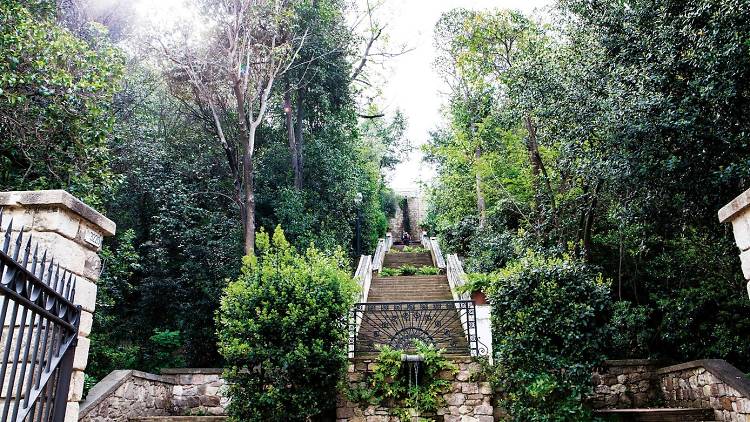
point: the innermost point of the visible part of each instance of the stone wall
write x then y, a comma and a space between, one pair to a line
468, 401
198, 391
623, 384
707, 384
126, 394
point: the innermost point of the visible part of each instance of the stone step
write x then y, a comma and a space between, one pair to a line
179, 419
657, 415
418, 259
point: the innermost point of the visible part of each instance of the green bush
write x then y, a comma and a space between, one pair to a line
426, 270
631, 333
549, 319
408, 270
282, 332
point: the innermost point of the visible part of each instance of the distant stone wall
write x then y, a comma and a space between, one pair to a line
198, 391
126, 394
623, 384
468, 401
705, 384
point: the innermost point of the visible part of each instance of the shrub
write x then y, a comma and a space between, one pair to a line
631, 333
282, 332
408, 270
426, 270
549, 317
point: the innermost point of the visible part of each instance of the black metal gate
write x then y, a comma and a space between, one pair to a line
448, 325
39, 333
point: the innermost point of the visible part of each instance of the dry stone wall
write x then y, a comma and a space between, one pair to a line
469, 400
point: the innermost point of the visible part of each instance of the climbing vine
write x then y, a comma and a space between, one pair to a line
405, 387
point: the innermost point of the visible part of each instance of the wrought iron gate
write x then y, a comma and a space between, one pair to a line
448, 325
39, 333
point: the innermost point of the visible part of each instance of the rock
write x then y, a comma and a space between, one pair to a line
483, 410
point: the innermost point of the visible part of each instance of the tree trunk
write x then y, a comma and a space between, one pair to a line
249, 214
298, 134
480, 197
293, 150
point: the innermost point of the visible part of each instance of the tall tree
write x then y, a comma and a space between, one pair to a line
229, 77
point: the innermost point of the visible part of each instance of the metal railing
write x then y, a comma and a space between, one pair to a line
399, 324
40, 330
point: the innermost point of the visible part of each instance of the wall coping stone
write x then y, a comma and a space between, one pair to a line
718, 367
738, 204
109, 384
198, 371
62, 199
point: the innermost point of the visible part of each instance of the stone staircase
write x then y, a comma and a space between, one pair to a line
409, 288
390, 313
657, 415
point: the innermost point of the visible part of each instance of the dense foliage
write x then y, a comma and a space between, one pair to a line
56, 113
282, 330
89, 111
615, 131
549, 317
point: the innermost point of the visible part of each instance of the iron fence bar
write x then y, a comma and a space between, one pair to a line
37, 360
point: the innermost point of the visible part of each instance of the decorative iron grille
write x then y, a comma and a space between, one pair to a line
40, 330
447, 325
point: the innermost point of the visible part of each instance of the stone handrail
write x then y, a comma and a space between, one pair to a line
432, 245
456, 277
363, 276
384, 245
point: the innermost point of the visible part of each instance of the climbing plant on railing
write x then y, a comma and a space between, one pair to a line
405, 387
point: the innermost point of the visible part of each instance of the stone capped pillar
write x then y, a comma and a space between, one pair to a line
738, 213
72, 233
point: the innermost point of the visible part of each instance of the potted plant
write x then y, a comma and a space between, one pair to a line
477, 285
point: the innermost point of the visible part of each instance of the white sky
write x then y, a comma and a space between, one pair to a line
412, 85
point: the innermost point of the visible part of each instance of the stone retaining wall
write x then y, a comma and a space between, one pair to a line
707, 384
468, 401
126, 394
623, 384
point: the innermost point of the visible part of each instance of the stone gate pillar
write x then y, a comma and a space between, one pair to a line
738, 213
72, 233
